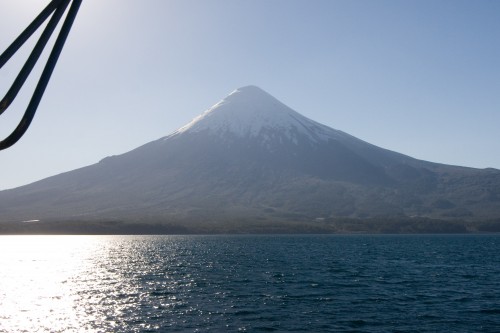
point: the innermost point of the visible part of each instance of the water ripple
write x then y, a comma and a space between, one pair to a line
249, 283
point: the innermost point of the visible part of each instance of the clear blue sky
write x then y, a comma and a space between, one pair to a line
419, 77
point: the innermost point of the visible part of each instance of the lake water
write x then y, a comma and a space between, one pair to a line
250, 283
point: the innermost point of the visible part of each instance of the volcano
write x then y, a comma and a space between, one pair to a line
252, 161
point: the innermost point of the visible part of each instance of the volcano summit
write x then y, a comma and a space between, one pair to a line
252, 164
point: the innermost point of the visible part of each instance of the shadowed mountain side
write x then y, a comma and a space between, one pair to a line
252, 158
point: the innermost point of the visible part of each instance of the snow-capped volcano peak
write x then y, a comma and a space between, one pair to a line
251, 112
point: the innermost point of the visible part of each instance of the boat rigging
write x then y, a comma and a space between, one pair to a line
55, 10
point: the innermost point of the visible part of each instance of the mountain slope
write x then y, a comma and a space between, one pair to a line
250, 157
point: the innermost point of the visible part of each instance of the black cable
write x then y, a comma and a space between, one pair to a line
23, 37
59, 7
33, 58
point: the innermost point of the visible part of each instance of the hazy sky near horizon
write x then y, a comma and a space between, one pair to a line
421, 77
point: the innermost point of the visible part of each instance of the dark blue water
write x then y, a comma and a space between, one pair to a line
251, 283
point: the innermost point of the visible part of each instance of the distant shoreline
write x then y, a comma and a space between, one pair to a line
327, 226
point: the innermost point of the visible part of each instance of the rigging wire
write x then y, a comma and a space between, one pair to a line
57, 9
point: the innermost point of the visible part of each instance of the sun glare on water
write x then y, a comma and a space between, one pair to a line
37, 291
